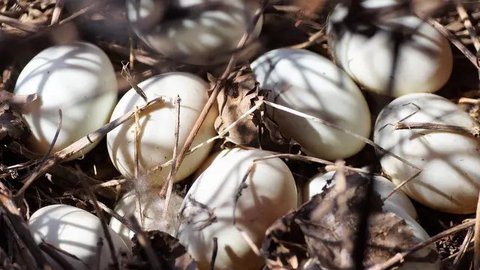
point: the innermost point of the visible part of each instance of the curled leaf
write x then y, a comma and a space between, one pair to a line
236, 99
338, 228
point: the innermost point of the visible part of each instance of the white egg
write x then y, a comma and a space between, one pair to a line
194, 31
147, 207
398, 203
450, 162
367, 51
310, 83
76, 78
269, 193
76, 232
157, 127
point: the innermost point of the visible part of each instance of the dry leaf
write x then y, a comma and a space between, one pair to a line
325, 232
171, 254
238, 96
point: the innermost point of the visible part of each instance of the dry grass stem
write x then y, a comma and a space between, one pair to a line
473, 132
316, 38
167, 192
105, 228
126, 74
476, 238
136, 142
463, 248
27, 27
455, 41
465, 17
57, 12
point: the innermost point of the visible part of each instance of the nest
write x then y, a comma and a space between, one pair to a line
29, 181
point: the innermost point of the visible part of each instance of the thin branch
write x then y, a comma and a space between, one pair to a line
27, 27
473, 132
214, 253
463, 248
57, 12
105, 227
472, 31
476, 242
455, 41
167, 192
129, 78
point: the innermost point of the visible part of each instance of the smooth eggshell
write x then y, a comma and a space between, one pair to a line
270, 192
204, 37
398, 203
310, 83
77, 78
77, 232
148, 208
157, 136
367, 52
450, 162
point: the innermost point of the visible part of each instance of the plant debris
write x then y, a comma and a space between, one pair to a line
324, 233
170, 253
238, 96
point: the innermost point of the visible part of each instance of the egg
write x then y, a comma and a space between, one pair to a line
76, 78
312, 84
398, 203
76, 232
193, 31
209, 208
147, 207
366, 50
449, 180
156, 137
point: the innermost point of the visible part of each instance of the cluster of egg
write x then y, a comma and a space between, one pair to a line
241, 192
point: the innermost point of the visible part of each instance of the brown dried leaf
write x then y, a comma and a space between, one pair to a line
170, 253
323, 233
238, 96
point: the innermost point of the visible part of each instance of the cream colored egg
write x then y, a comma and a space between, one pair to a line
148, 209
76, 232
310, 83
76, 78
193, 31
209, 208
449, 180
156, 138
398, 203
367, 52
